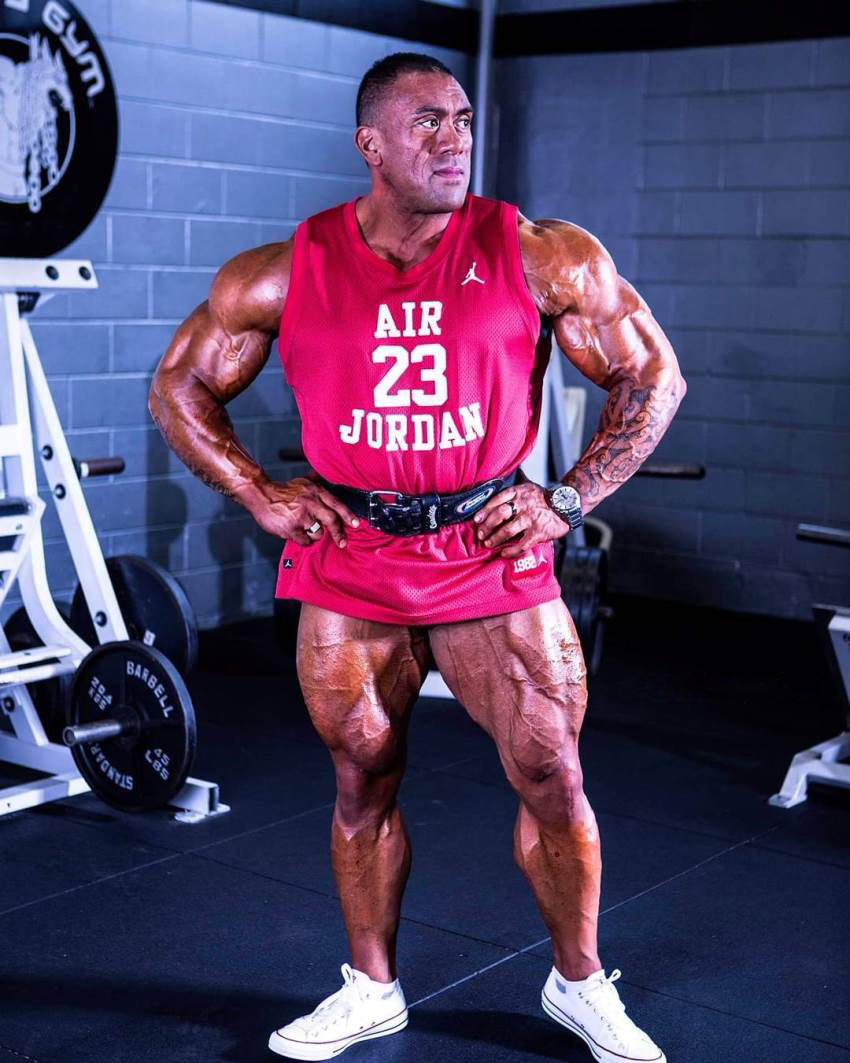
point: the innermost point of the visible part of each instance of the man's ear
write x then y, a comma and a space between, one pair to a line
368, 142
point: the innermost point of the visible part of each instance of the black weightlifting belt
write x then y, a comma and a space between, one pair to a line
417, 514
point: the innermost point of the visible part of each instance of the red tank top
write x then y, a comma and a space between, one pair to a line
425, 379
417, 380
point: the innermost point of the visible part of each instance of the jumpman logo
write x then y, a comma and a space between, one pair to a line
470, 276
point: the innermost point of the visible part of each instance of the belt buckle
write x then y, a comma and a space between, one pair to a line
373, 503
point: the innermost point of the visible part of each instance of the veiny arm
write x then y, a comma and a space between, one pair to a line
214, 355
608, 332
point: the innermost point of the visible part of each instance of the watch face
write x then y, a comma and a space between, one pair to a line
566, 497
567, 504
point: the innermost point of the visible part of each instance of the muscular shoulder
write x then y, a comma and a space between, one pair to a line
563, 262
249, 291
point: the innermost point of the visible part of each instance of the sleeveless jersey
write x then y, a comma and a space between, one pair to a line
418, 380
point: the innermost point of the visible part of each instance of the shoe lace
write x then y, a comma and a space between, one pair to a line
603, 998
338, 1006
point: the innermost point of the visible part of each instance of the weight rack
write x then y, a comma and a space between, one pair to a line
24, 283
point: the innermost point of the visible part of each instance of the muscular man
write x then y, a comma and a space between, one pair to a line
414, 329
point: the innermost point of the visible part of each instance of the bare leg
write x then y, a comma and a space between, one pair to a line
359, 680
522, 677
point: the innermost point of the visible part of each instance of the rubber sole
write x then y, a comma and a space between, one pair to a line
329, 1049
603, 1055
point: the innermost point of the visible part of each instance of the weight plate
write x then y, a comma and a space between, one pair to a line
583, 579
154, 607
59, 134
50, 696
132, 682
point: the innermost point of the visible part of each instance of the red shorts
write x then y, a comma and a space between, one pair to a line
435, 578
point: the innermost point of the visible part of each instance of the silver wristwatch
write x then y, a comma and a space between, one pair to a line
566, 502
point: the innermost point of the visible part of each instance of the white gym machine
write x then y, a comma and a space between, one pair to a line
822, 763
29, 422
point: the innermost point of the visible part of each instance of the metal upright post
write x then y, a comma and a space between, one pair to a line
483, 67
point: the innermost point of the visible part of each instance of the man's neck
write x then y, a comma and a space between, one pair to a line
393, 232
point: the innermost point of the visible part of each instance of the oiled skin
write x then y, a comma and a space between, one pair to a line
521, 676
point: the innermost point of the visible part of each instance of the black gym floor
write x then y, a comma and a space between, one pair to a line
127, 938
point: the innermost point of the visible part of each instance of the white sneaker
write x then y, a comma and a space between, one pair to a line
360, 1010
593, 1010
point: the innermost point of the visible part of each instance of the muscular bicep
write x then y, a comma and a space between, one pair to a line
613, 334
204, 350
601, 323
226, 340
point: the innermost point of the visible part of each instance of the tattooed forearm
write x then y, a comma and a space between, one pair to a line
606, 329
633, 420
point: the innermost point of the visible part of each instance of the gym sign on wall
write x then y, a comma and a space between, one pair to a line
58, 126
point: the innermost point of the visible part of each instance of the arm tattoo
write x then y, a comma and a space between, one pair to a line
633, 420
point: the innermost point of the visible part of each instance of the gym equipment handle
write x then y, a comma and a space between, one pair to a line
672, 471
817, 533
94, 732
86, 467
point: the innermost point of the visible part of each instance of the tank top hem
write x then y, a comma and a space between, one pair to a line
477, 610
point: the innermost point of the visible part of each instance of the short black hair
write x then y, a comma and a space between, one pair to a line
383, 73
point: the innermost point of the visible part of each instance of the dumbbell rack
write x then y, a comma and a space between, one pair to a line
23, 284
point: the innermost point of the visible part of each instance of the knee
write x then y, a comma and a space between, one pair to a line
369, 762
370, 749
535, 758
554, 790
543, 735
363, 797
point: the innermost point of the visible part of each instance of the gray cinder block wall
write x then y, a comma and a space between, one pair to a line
718, 179
235, 125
